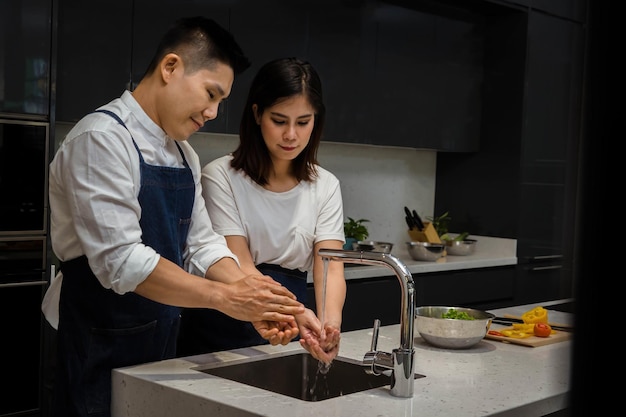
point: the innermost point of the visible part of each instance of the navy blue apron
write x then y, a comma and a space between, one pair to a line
100, 330
203, 330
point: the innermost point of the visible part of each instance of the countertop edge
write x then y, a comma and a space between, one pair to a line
490, 252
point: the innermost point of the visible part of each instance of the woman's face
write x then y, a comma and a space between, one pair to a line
286, 127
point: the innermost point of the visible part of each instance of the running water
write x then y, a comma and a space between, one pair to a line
324, 298
323, 368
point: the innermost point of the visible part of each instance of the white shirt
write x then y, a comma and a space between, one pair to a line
281, 228
94, 183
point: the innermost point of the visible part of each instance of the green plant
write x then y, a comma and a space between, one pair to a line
355, 229
440, 223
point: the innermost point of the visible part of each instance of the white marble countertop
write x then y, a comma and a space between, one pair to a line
491, 378
490, 251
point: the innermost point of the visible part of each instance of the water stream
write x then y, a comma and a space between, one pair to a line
323, 368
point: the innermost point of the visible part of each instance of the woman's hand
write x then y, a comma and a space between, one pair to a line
277, 333
322, 345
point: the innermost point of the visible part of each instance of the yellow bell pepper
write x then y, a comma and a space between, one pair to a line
524, 327
536, 315
516, 334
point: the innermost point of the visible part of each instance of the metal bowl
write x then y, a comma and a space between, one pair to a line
460, 247
372, 246
451, 333
425, 251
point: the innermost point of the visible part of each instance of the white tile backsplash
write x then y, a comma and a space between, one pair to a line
376, 181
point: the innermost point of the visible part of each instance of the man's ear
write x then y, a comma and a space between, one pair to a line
169, 64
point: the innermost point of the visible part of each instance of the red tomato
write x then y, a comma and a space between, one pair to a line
542, 330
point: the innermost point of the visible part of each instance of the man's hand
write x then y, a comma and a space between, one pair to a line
258, 298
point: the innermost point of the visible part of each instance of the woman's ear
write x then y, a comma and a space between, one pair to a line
255, 111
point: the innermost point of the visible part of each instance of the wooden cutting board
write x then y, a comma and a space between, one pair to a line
532, 341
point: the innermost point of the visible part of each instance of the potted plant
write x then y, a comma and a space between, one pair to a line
440, 223
354, 230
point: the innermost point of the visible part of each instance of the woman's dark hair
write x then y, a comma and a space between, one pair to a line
276, 81
202, 43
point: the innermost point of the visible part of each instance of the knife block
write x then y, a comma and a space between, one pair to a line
428, 234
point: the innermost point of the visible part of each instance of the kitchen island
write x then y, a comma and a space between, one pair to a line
490, 378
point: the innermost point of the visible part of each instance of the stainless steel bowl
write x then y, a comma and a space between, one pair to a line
460, 247
424, 251
373, 246
451, 333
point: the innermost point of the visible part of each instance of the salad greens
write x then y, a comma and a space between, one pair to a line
455, 314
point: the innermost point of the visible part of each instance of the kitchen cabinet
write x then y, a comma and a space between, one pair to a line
569, 9
25, 32
21, 339
394, 75
151, 20
93, 55
265, 30
425, 90
522, 184
548, 183
22, 281
380, 298
367, 300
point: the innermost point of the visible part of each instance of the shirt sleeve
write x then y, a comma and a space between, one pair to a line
218, 195
330, 218
94, 173
204, 245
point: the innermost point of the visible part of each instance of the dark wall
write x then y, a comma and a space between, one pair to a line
599, 119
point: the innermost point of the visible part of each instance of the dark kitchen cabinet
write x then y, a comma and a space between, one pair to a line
569, 9
367, 300
342, 47
425, 90
22, 282
482, 288
548, 183
93, 55
523, 183
25, 32
394, 73
265, 30
380, 298
21, 339
151, 20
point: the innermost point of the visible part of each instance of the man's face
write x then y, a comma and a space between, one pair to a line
192, 99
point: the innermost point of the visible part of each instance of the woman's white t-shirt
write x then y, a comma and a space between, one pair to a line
281, 228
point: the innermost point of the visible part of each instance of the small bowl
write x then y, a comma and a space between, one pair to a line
461, 247
372, 246
451, 333
425, 251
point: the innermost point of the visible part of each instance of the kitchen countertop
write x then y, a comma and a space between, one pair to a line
490, 252
490, 378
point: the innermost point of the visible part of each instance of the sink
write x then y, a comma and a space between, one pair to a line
297, 375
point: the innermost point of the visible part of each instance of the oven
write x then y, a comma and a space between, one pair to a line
23, 176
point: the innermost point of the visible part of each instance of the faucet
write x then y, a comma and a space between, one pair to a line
401, 361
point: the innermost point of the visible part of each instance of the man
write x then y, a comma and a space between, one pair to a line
130, 227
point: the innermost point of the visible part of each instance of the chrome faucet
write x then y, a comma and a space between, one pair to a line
401, 361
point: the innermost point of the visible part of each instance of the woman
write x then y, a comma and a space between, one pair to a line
277, 207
